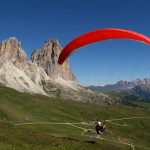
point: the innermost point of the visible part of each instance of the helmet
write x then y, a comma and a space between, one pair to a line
99, 123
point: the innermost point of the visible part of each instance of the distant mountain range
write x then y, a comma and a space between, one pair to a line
136, 87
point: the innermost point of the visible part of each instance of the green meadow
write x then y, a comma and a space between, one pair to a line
44, 124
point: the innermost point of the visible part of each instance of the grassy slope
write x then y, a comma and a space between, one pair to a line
131, 100
12, 137
17, 107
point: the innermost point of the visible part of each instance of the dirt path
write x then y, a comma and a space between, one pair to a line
126, 118
110, 121
101, 138
24, 123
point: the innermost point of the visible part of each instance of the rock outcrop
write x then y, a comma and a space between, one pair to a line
12, 50
47, 58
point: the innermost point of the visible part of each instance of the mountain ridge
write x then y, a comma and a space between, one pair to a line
42, 74
136, 87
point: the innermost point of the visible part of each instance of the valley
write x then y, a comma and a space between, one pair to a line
32, 121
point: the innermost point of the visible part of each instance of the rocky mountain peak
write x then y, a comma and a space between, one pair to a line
11, 49
137, 81
47, 58
54, 41
122, 83
133, 83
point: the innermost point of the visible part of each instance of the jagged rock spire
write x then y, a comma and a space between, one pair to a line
47, 58
12, 50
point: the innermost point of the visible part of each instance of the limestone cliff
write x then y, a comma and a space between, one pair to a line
47, 58
12, 50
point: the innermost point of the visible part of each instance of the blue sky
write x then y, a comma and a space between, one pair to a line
106, 62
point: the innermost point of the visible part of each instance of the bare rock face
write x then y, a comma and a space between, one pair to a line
11, 49
47, 58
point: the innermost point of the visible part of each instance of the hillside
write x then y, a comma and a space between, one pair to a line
32, 121
141, 90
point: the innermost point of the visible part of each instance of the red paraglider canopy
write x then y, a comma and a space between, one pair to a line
99, 35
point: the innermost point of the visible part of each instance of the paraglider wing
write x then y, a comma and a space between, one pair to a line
99, 35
